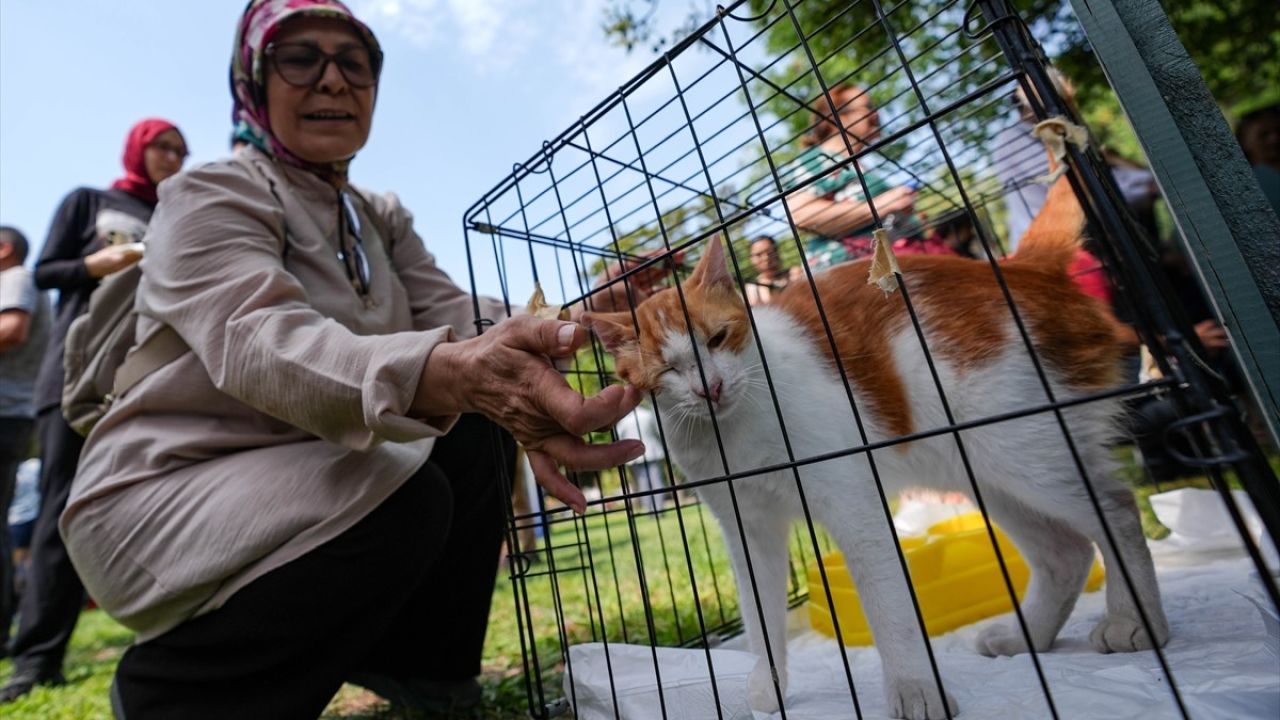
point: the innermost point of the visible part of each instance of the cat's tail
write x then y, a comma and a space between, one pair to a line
1054, 237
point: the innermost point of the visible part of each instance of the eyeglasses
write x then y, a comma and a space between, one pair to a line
302, 65
177, 151
354, 259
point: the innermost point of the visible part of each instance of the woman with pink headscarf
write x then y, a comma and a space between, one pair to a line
308, 493
94, 234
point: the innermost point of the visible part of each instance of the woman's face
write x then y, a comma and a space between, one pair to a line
329, 120
860, 118
164, 156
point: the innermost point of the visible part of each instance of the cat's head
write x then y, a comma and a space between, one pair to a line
712, 356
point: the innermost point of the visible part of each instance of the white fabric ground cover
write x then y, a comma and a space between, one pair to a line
1224, 655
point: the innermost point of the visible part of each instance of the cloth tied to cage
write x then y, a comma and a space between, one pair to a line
884, 264
1055, 133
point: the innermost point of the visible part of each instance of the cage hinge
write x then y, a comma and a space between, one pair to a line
484, 227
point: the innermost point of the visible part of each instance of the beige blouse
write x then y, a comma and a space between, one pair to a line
287, 421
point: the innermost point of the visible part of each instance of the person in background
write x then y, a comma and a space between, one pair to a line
648, 469
22, 519
834, 207
92, 236
310, 492
951, 233
24, 333
771, 277
1019, 159
1258, 133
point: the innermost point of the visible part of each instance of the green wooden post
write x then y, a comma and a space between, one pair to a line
1230, 232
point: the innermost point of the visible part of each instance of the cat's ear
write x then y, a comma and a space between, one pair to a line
615, 330
711, 270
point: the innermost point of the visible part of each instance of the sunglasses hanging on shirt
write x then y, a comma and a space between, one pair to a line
351, 245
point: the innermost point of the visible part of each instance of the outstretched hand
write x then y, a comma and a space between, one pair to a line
507, 375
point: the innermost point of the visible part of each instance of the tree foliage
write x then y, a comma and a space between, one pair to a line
1232, 41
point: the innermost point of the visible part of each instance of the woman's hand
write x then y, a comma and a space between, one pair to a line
507, 375
898, 200
111, 259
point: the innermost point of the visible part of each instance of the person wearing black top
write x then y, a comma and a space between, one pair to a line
94, 234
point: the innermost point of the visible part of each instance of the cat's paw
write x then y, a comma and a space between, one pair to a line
1001, 639
762, 696
917, 700
1124, 634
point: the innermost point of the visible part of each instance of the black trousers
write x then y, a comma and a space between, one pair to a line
15, 442
54, 595
405, 592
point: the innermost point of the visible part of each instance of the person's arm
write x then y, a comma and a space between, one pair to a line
14, 326
18, 298
61, 265
214, 273
835, 218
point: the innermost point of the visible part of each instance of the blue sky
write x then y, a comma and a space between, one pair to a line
470, 86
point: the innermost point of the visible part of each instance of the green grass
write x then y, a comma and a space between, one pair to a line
609, 604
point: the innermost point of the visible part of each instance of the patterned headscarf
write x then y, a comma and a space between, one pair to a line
136, 181
260, 22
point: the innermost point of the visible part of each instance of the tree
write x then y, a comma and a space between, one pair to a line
1232, 41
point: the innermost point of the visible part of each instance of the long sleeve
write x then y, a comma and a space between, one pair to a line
433, 296
61, 265
215, 272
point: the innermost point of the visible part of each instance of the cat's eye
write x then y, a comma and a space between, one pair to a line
718, 339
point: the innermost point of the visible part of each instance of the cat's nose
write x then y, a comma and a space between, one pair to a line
713, 391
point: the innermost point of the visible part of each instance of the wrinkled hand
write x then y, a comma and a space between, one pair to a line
507, 375
111, 259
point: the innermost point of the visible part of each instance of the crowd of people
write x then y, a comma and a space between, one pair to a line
302, 483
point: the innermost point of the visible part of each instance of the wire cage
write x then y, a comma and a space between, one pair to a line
772, 120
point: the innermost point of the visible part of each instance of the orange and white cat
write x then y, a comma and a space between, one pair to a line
714, 366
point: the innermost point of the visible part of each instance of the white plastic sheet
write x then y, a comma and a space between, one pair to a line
1221, 654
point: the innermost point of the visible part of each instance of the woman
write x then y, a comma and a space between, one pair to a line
91, 237
834, 207
280, 509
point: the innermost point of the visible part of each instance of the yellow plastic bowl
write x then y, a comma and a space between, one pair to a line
955, 573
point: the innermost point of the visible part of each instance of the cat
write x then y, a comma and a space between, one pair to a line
1025, 472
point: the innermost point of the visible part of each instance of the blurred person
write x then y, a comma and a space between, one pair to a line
649, 469
952, 233
1258, 133
24, 333
834, 207
22, 514
1019, 160
308, 493
93, 235
771, 277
